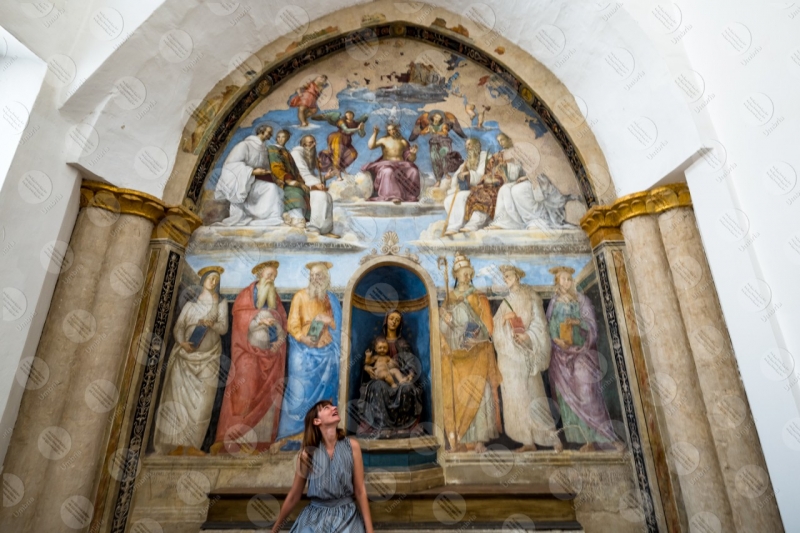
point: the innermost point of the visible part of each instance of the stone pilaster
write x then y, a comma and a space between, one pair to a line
732, 427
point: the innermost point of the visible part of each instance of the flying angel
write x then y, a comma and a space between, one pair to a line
340, 153
438, 125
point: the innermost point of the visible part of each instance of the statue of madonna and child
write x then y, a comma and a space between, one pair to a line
391, 392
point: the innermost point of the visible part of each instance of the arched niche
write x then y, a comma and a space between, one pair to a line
382, 284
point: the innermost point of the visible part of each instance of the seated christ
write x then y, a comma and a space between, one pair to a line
395, 176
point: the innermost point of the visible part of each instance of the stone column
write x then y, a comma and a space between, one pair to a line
734, 434
34, 442
93, 391
691, 452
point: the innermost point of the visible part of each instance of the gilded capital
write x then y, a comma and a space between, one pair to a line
174, 223
602, 222
121, 201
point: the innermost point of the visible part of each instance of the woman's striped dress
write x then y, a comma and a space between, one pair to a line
330, 488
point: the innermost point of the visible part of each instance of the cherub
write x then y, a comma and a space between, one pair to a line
380, 365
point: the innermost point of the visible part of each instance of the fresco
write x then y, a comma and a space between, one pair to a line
409, 210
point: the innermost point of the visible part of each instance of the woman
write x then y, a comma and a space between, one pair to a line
334, 469
192, 374
386, 409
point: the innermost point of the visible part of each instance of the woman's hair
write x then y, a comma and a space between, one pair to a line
312, 436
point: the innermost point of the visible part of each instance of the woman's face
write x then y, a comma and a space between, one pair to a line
327, 414
394, 321
211, 282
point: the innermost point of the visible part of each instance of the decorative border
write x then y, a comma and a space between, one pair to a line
141, 413
627, 394
274, 76
105, 486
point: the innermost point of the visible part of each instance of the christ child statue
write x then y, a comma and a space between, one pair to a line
380, 365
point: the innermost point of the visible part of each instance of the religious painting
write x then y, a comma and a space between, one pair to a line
399, 233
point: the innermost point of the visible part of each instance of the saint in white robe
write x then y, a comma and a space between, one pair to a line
192, 379
526, 410
321, 201
456, 199
254, 202
531, 203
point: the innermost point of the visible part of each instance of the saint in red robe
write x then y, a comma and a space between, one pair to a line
255, 381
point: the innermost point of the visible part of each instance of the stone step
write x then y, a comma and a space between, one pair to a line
443, 508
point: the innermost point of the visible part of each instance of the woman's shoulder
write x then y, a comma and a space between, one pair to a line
353, 443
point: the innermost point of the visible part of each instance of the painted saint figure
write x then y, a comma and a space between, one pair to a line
575, 372
306, 96
531, 203
522, 342
387, 409
501, 168
305, 158
295, 192
252, 400
470, 377
395, 175
468, 176
192, 376
438, 125
340, 153
255, 198
314, 325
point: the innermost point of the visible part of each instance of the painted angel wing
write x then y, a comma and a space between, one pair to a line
331, 117
419, 126
454, 125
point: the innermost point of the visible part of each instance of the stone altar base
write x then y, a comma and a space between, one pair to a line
449, 507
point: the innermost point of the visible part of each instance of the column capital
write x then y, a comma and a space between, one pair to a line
602, 222
175, 223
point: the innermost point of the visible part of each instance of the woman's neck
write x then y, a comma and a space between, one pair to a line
391, 334
329, 436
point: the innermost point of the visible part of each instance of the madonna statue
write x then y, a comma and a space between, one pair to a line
391, 395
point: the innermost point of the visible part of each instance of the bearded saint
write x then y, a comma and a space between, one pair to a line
252, 400
501, 168
395, 175
305, 158
314, 325
468, 176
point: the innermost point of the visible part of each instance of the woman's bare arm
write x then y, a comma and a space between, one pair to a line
359, 488
300, 476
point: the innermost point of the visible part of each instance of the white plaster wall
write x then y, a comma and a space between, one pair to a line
620, 61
